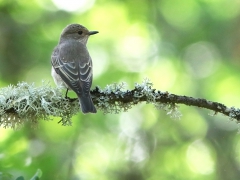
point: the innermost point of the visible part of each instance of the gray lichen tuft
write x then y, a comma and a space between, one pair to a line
26, 103
233, 112
109, 102
114, 98
145, 89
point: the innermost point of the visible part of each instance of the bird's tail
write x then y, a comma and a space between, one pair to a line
86, 104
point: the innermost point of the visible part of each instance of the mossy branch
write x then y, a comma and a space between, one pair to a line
27, 103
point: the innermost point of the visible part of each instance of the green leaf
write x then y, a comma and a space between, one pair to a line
20, 178
37, 175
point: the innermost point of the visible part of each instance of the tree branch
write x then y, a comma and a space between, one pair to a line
26, 103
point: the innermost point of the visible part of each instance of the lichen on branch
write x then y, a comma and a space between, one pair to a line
26, 103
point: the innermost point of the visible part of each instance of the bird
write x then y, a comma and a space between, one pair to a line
72, 64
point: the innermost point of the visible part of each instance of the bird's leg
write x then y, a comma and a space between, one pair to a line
66, 94
68, 98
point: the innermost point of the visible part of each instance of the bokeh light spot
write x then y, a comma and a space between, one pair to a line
199, 158
201, 59
183, 14
74, 5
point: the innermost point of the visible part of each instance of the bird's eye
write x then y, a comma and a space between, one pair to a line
80, 32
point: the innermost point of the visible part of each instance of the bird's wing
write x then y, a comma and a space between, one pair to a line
74, 65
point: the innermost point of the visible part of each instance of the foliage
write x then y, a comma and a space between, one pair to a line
5, 176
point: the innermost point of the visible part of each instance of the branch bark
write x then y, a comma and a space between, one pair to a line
168, 98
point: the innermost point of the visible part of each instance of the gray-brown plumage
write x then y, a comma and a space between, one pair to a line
72, 64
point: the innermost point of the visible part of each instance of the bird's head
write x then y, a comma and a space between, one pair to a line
78, 32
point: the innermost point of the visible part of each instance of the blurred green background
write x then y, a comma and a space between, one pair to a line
186, 47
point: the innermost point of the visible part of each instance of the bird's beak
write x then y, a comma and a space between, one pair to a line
92, 33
